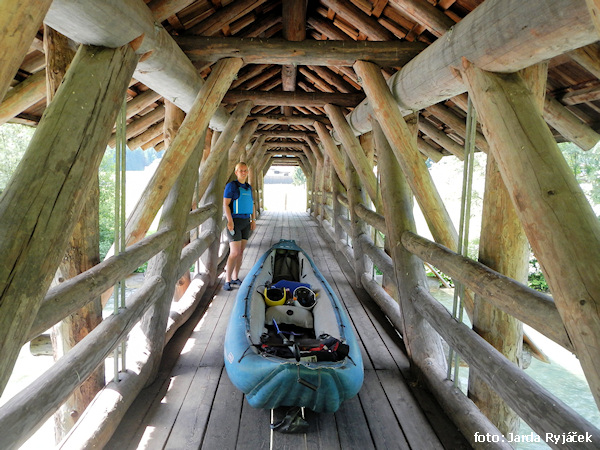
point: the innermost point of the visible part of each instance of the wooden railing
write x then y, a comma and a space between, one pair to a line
543, 411
22, 415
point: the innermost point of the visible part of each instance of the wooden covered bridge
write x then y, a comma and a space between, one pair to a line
336, 87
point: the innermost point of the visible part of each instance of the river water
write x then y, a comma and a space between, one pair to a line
563, 377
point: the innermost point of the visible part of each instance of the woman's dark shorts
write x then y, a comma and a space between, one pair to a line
241, 228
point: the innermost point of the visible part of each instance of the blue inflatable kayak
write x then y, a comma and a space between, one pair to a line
289, 341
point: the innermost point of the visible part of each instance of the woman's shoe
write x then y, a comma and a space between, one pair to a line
227, 286
236, 282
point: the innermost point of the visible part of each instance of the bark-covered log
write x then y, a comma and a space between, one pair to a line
560, 224
39, 208
309, 52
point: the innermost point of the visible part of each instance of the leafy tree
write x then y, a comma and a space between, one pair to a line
107, 201
586, 167
14, 139
298, 177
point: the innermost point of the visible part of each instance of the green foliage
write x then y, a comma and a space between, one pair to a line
14, 140
586, 167
298, 177
536, 279
107, 201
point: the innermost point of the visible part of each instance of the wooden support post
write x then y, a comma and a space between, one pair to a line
558, 220
82, 254
569, 125
356, 153
166, 263
356, 195
332, 152
53, 179
174, 160
422, 343
238, 149
504, 248
220, 151
19, 22
404, 147
294, 29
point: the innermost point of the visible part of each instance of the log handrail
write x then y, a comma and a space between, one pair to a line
525, 396
21, 416
527, 305
73, 294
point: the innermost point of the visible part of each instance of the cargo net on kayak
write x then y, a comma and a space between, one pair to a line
295, 321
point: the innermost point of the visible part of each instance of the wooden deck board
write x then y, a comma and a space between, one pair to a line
196, 406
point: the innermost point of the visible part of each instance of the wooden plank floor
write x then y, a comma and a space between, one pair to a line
193, 404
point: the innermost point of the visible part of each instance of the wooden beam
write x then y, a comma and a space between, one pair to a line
327, 29
594, 8
332, 152
442, 139
277, 119
150, 133
404, 146
569, 125
112, 23
422, 344
163, 9
560, 224
293, 98
457, 124
282, 133
510, 35
366, 24
24, 95
285, 144
294, 29
428, 150
426, 14
141, 102
308, 52
224, 16
187, 138
139, 125
526, 396
353, 149
35, 237
588, 57
19, 22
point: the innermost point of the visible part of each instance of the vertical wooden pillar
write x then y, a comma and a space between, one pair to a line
337, 207
561, 226
503, 247
405, 149
174, 117
355, 196
422, 342
38, 209
166, 263
82, 254
332, 151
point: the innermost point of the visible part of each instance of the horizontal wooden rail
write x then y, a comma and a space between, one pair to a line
194, 250
371, 217
527, 305
527, 398
21, 416
380, 258
76, 292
